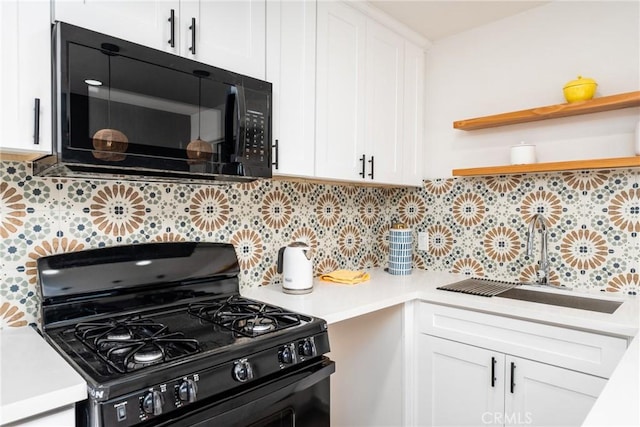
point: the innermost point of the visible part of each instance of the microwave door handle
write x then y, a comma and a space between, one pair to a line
232, 150
240, 113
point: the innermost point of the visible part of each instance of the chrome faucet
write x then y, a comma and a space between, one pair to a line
543, 264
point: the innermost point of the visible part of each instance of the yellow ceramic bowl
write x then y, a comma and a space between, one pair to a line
581, 89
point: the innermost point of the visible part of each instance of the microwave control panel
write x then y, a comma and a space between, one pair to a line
255, 134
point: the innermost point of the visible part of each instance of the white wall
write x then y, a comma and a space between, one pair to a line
523, 62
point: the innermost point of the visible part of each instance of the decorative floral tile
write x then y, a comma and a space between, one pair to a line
593, 218
477, 226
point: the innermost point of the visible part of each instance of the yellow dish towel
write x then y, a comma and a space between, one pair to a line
348, 277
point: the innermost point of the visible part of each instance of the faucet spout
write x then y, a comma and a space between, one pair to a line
543, 264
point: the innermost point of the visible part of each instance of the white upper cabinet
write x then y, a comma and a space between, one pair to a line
291, 67
384, 106
229, 34
370, 84
225, 34
340, 115
25, 78
413, 115
147, 22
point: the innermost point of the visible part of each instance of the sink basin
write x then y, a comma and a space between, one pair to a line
571, 301
494, 288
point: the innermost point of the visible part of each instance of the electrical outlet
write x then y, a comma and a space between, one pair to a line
423, 241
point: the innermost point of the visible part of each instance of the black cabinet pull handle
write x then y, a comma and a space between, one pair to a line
372, 167
276, 147
193, 36
513, 380
493, 372
172, 20
36, 123
363, 160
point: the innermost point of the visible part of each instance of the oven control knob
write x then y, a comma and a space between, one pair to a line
306, 348
287, 355
242, 370
152, 403
187, 391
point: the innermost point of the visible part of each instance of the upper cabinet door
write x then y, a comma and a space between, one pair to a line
147, 22
340, 91
25, 78
291, 67
384, 108
413, 115
229, 34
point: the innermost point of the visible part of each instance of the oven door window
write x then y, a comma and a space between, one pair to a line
121, 111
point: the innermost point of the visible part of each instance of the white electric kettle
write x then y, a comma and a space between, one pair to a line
296, 267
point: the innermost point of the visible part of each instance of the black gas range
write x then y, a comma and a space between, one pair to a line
162, 336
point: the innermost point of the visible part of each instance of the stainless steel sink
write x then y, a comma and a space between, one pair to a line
562, 300
494, 288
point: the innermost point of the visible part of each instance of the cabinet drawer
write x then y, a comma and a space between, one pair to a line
587, 352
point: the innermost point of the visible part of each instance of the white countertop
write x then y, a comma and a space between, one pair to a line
336, 302
34, 377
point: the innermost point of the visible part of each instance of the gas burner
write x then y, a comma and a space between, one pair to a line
259, 325
112, 331
119, 336
147, 355
245, 317
133, 343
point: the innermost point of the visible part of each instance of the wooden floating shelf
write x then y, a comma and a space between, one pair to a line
604, 103
612, 163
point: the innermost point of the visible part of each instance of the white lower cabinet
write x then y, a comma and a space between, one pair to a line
545, 395
478, 369
64, 416
463, 385
454, 384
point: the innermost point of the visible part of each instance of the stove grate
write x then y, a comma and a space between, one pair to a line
245, 317
135, 342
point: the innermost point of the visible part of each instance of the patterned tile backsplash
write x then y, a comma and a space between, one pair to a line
476, 226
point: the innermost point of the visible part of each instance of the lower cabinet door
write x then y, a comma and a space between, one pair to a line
458, 384
537, 394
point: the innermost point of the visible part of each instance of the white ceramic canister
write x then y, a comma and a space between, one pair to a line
400, 251
523, 154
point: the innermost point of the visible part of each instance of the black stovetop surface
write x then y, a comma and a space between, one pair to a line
217, 344
168, 283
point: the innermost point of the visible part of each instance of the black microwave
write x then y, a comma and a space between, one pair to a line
123, 110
